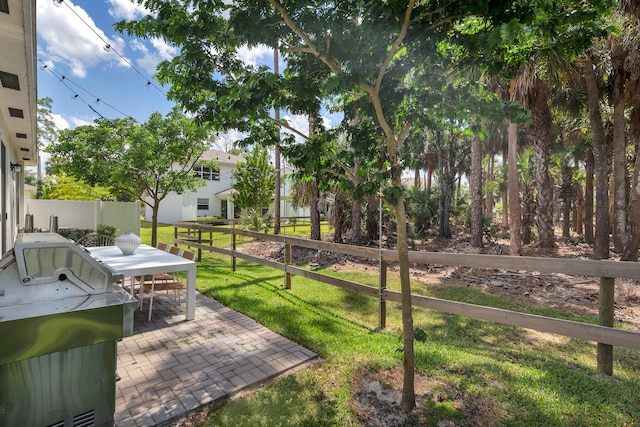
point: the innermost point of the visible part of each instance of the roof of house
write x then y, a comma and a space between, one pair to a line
221, 157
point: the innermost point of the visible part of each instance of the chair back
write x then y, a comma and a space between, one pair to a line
189, 255
162, 246
174, 250
95, 239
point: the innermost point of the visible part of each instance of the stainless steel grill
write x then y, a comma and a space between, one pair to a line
61, 315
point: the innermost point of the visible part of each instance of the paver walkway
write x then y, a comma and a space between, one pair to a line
170, 367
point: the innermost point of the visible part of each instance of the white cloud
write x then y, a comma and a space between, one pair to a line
59, 121
165, 51
80, 122
126, 9
149, 59
298, 122
70, 40
260, 54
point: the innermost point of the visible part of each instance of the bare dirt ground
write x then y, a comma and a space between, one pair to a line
571, 293
376, 394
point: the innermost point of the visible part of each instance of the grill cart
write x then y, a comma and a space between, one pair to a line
61, 316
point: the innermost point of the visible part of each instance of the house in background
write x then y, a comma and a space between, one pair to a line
18, 110
215, 198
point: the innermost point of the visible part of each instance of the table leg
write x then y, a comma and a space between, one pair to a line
191, 294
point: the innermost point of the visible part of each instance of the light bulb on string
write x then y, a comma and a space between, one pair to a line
57, 3
147, 84
107, 48
76, 96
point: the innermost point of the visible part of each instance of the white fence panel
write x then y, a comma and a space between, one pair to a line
85, 214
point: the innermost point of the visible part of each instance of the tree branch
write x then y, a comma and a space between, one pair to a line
296, 29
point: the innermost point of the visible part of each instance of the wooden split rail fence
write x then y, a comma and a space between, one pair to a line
607, 270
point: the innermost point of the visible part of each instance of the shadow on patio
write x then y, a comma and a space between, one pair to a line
170, 367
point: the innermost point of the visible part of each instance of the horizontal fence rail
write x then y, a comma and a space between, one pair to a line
574, 267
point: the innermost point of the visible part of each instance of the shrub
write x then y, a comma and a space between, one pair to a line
107, 230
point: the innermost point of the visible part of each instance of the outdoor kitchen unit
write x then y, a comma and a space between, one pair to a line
61, 315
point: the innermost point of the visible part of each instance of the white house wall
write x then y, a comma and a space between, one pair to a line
183, 207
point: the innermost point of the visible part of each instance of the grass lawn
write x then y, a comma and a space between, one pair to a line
526, 378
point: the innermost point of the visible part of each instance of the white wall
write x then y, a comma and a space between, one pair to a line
125, 216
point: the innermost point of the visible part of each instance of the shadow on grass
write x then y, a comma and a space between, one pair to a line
534, 383
290, 401
537, 383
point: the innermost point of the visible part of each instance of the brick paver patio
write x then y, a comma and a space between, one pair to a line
171, 367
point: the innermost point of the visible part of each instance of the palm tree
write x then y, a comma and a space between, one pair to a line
533, 92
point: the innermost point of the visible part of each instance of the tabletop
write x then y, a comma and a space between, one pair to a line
149, 260
145, 260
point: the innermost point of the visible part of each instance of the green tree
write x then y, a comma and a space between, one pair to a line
145, 161
47, 134
253, 181
363, 53
65, 187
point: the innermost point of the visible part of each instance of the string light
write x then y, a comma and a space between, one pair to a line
65, 81
109, 48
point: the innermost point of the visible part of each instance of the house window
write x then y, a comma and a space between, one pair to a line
236, 212
206, 172
224, 207
203, 204
264, 211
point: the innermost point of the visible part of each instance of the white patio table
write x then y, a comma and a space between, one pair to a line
149, 260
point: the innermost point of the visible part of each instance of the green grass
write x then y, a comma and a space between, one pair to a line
527, 378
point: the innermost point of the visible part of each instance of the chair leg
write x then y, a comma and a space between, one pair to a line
141, 294
153, 283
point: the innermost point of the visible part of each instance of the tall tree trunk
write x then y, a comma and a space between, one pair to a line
630, 252
620, 235
154, 222
446, 186
506, 203
578, 210
588, 196
528, 211
408, 400
489, 201
475, 185
542, 141
515, 241
601, 248
567, 196
277, 214
314, 212
338, 216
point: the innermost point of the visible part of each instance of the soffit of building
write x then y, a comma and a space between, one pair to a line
18, 103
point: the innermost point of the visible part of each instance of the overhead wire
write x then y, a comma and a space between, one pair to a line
66, 81
109, 47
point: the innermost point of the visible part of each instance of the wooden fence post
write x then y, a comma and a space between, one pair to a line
200, 243
605, 318
175, 234
233, 248
287, 261
382, 303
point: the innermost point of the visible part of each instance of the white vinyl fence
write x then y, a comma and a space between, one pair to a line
84, 214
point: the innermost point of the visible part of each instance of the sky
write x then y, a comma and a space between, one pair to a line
87, 80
